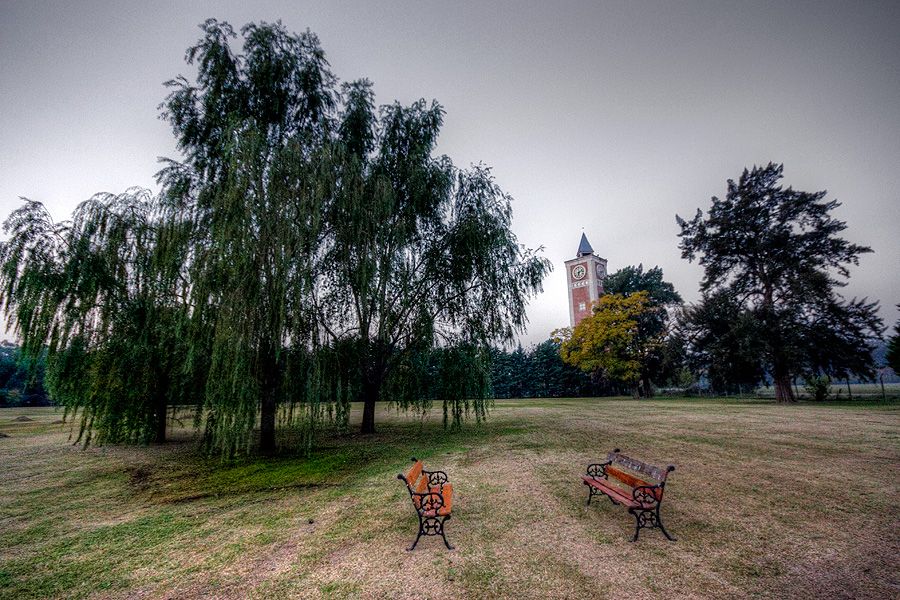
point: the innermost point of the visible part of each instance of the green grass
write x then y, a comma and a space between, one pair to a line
766, 500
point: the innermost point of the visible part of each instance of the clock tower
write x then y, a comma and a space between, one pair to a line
585, 274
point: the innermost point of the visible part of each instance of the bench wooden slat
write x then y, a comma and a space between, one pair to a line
632, 481
617, 494
412, 476
626, 478
637, 466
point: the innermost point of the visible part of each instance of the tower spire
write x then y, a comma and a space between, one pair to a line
584, 248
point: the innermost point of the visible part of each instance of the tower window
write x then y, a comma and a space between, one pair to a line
581, 306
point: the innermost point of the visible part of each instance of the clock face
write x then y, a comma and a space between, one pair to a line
599, 270
578, 272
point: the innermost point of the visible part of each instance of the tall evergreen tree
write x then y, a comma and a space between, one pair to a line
723, 342
778, 251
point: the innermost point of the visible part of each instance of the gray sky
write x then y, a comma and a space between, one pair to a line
606, 117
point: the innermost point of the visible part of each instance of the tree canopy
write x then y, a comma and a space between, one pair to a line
21, 378
98, 296
418, 252
723, 342
779, 254
654, 324
306, 249
538, 372
610, 342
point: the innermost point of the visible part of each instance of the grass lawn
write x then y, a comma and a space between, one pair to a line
767, 500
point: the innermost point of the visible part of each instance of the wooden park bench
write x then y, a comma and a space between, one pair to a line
642, 497
432, 497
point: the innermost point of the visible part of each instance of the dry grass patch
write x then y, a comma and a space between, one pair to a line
767, 500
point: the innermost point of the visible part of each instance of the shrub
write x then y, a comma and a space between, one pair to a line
818, 387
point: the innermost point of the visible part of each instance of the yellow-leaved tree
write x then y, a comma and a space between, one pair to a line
610, 342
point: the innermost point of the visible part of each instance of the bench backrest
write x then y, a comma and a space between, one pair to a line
414, 474
653, 476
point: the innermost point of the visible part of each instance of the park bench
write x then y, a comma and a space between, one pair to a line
432, 497
642, 497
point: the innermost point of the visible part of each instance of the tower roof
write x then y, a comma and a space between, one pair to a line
584, 248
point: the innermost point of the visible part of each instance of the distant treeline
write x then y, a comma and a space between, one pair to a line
539, 372
21, 383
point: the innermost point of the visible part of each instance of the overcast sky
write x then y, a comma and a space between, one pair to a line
602, 117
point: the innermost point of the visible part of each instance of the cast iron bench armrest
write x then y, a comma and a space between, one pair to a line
428, 501
597, 470
647, 496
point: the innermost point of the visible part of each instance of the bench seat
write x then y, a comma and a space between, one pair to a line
611, 491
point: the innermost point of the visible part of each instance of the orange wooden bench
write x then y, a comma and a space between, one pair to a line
642, 497
432, 497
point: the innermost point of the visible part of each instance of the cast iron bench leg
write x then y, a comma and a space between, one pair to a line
419, 535
665, 533
446, 543
649, 519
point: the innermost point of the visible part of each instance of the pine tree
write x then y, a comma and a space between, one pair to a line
778, 251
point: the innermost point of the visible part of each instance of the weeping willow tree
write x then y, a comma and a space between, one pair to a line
331, 249
417, 254
252, 129
306, 249
103, 295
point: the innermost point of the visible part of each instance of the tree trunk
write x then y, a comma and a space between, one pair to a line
636, 391
160, 404
268, 406
267, 424
783, 390
648, 387
160, 435
371, 388
374, 369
